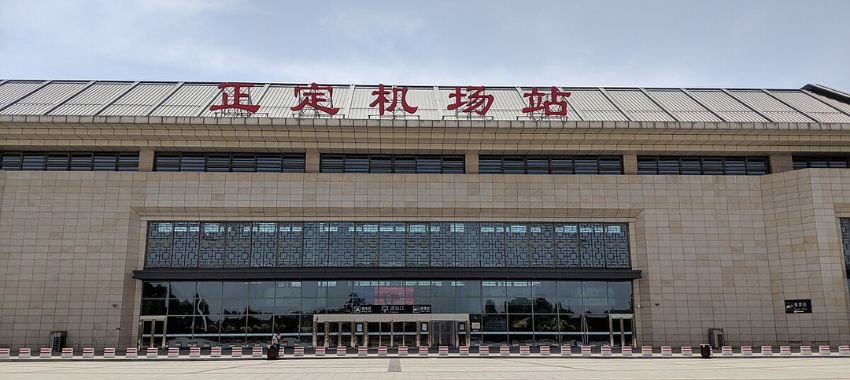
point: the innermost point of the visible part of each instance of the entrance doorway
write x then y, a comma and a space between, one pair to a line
152, 332
621, 329
391, 330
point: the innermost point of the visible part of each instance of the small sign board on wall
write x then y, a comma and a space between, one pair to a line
798, 306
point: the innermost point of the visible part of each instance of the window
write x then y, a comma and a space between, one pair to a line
804, 162
495, 164
70, 161
229, 162
702, 165
386, 163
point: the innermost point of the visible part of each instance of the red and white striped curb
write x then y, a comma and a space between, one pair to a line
524, 350
483, 350
256, 352
504, 350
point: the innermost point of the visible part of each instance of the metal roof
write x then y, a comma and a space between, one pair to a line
810, 104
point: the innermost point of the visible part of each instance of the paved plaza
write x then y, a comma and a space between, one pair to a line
437, 368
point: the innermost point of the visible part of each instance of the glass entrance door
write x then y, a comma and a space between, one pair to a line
621, 329
444, 333
152, 332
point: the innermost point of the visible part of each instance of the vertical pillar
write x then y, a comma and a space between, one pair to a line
327, 327
630, 164
353, 334
781, 162
392, 333
146, 157
366, 333
311, 161
418, 336
315, 337
471, 162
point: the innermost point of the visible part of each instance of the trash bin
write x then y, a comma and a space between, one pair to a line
705, 351
271, 352
716, 338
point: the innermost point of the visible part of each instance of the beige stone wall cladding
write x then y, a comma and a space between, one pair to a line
715, 251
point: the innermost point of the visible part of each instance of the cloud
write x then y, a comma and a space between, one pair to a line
651, 43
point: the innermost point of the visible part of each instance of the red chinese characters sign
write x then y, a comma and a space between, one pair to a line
232, 97
399, 96
473, 100
316, 97
551, 105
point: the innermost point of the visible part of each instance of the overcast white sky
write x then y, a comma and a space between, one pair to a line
729, 43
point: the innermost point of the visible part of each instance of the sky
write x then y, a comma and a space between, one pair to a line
653, 43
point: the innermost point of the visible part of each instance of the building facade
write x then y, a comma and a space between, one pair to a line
131, 213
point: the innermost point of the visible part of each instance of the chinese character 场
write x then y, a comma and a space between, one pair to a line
399, 95
476, 100
315, 97
551, 106
232, 97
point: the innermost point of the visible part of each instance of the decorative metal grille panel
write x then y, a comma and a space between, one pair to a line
391, 244
845, 240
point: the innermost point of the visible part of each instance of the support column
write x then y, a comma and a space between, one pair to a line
327, 327
418, 337
781, 162
630, 164
366, 334
315, 337
146, 158
311, 161
353, 335
471, 162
